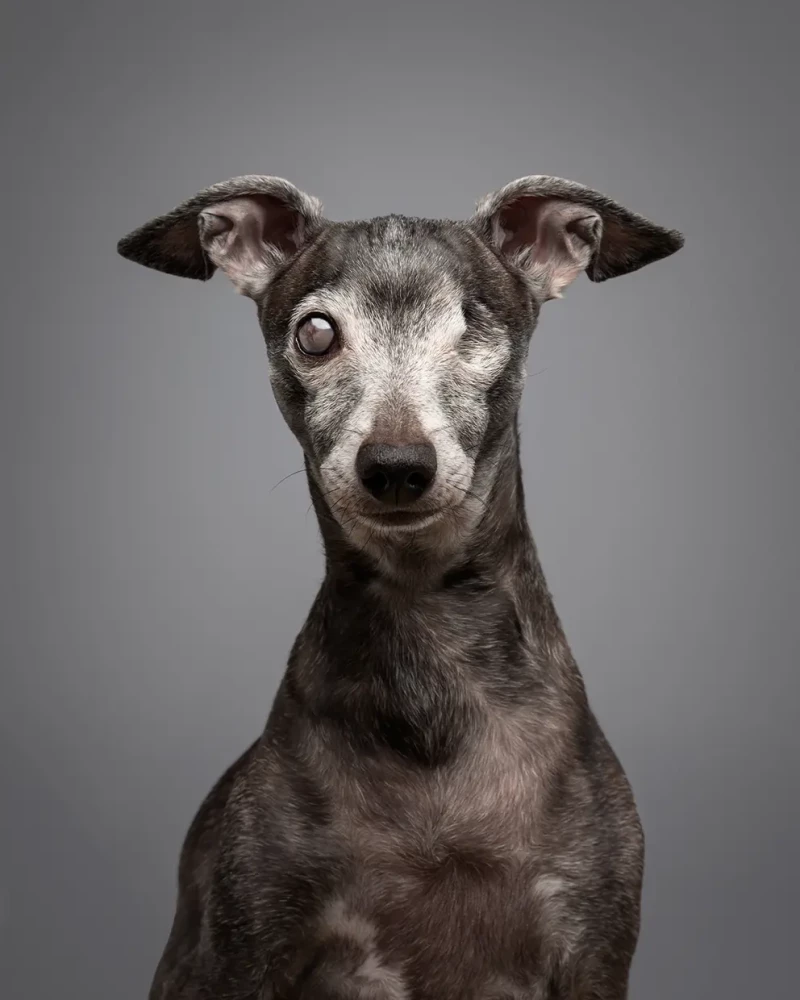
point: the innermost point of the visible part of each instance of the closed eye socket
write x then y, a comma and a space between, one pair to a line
484, 347
479, 319
316, 335
475, 311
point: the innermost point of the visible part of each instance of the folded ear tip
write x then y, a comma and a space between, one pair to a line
668, 243
660, 243
126, 247
677, 238
150, 245
135, 245
665, 243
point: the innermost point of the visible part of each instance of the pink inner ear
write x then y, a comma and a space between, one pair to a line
247, 237
560, 236
213, 225
519, 223
281, 226
258, 219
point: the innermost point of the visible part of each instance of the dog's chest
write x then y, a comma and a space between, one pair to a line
446, 878
479, 810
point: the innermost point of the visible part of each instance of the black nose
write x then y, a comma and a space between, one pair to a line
396, 474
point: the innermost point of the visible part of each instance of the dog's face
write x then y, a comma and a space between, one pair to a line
397, 346
397, 351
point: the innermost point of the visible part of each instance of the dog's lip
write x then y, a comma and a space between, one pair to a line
402, 518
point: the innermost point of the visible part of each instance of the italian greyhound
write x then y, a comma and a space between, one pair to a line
432, 811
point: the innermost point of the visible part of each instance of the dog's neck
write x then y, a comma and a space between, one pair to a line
401, 649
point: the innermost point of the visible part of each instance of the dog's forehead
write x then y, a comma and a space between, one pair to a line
397, 267
390, 267
400, 249
405, 270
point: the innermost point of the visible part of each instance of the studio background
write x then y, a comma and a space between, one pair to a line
153, 574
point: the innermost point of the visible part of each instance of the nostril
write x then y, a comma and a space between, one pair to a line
417, 481
377, 482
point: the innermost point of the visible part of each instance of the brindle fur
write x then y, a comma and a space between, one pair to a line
432, 811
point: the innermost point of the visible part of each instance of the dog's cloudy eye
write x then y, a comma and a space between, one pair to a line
316, 335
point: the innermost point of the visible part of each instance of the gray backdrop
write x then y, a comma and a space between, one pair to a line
153, 579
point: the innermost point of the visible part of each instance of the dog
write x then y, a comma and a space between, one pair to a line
432, 811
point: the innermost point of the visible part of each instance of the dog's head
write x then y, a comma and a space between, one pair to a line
397, 346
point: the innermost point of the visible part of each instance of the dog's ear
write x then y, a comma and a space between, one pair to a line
247, 226
554, 229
